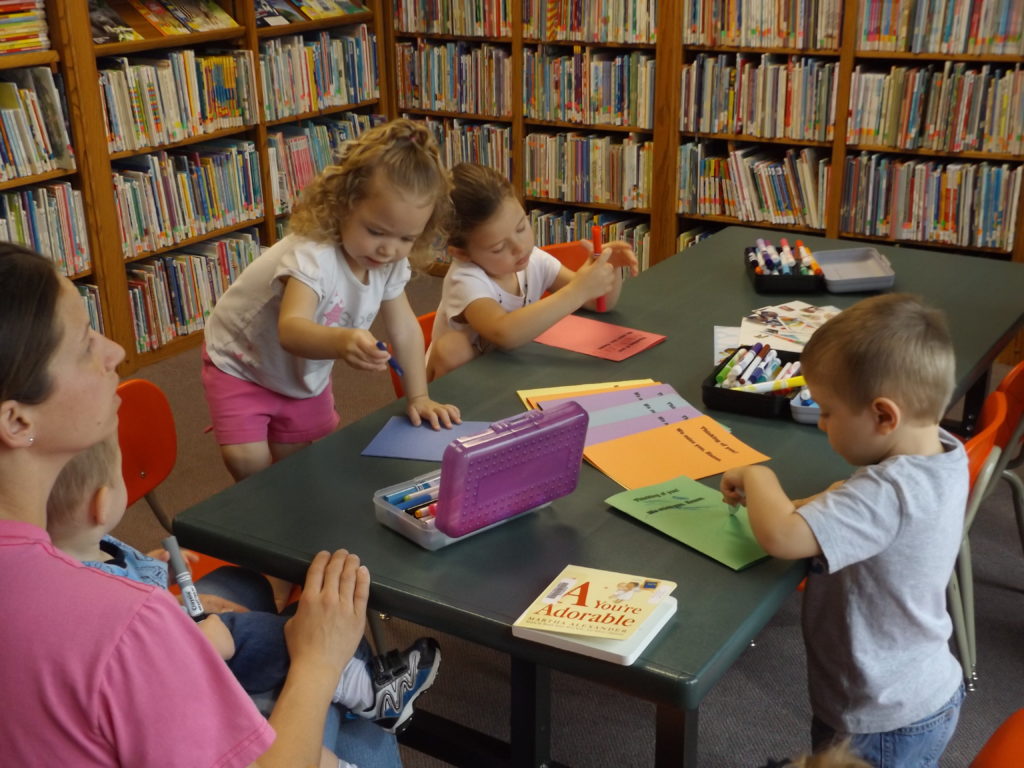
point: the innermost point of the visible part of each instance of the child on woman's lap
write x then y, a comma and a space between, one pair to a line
493, 294
309, 300
88, 501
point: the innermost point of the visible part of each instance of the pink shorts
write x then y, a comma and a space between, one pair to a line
244, 412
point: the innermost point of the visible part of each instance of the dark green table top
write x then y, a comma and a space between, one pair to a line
321, 497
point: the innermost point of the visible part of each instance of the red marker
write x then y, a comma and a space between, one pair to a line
595, 237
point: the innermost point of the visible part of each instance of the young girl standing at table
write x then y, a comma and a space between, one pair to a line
492, 294
273, 337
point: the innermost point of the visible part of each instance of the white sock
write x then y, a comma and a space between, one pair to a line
355, 687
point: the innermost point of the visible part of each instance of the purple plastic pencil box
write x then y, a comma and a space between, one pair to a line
515, 466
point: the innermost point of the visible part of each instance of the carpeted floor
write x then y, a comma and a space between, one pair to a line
758, 710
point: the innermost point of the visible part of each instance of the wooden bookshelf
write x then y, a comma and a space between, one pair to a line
70, 32
74, 56
670, 53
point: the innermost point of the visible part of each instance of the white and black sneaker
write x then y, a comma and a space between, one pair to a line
398, 678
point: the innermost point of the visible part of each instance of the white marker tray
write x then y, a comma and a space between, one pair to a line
855, 269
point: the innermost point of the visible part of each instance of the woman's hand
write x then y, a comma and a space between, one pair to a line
331, 616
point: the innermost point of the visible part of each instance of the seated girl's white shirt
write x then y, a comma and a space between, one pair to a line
466, 283
241, 333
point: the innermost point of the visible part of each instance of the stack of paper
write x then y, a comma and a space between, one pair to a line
641, 433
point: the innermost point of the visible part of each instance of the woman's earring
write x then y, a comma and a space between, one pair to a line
31, 439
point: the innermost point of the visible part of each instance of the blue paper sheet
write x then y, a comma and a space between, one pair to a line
401, 440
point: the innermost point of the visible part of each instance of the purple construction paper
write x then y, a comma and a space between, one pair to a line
596, 402
399, 439
616, 429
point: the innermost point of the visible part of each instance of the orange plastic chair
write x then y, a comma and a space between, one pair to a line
149, 442
427, 326
983, 457
573, 254
149, 449
1011, 440
1005, 747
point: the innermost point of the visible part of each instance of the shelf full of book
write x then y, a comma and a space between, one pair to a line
888, 120
41, 187
195, 124
568, 112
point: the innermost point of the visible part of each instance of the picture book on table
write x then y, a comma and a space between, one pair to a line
604, 614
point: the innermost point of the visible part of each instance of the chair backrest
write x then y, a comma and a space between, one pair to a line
990, 423
149, 441
983, 454
427, 325
573, 254
1005, 747
1011, 436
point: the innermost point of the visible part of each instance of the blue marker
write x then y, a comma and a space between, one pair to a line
391, 360
406, 493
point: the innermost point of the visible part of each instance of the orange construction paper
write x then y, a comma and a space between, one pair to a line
697, 448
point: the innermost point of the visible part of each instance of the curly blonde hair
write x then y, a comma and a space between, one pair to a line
405, 152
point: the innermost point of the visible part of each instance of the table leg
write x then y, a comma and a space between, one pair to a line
675, 738
531, 714
973, 401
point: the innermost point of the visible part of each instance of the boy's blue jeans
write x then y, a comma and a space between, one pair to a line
261, 661
918, 745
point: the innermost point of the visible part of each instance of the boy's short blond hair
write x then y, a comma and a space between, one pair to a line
94, 468
892, 346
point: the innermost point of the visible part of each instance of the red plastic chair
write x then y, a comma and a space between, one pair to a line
149, 449
983, 456
1011, 440
573, 254
1005, 747
427, 326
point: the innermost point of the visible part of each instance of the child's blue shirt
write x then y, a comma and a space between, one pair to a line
128, 562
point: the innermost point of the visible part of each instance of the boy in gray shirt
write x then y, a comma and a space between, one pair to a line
883, 543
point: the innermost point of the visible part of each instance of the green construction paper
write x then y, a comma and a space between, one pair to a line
694, 514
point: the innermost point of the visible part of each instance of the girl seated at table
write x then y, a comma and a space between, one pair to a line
493, 294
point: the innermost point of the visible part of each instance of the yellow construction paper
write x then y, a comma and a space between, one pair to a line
528, 395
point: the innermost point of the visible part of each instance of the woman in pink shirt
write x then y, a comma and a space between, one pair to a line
96, 670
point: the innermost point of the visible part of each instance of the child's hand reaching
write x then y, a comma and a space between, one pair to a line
622, 255
733, 487
358, 349
438, 415
596, 277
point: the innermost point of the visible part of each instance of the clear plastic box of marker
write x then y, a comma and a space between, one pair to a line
421, 530
516, 466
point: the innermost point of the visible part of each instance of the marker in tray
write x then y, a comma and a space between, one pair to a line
406, 493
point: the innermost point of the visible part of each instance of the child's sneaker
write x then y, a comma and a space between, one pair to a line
398, 678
